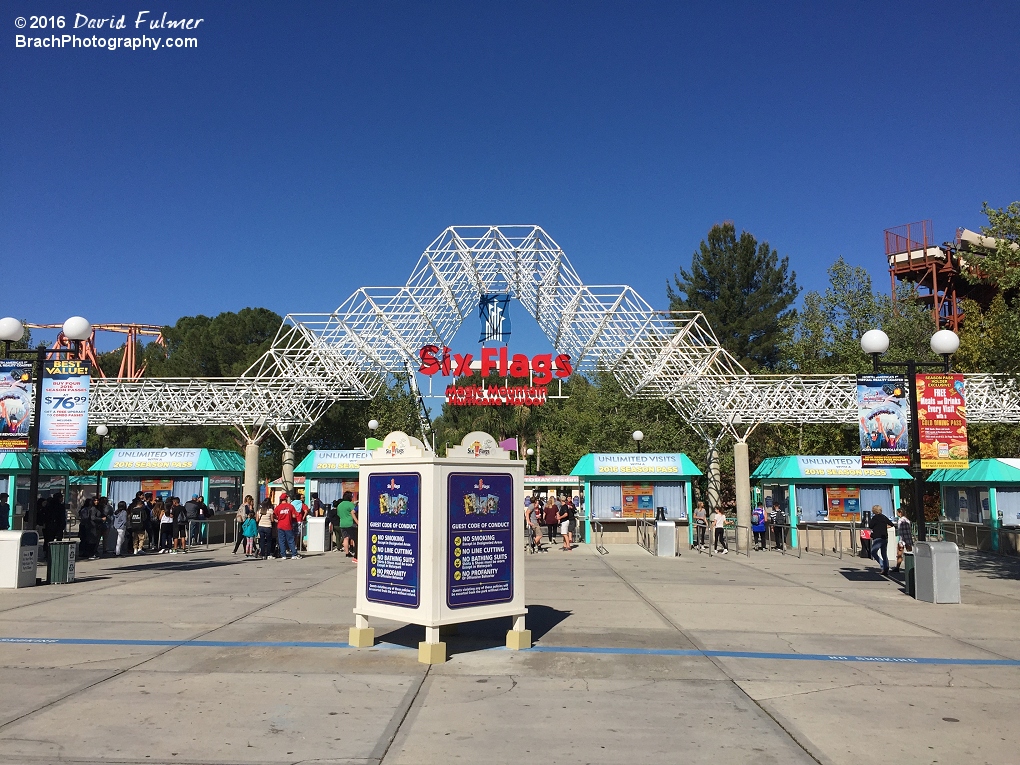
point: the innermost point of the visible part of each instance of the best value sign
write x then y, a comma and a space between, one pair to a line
63, 426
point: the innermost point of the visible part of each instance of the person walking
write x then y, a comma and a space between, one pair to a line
100, 523
905, 543
880, 526
347, 520
551, 519
700, 525
247, 508
137, 522
758, 527
780, 520
120, 518
5, 512
719, 523
286, 519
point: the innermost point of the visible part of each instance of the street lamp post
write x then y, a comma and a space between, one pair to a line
102, 431
945, 343
638, 437
530, 453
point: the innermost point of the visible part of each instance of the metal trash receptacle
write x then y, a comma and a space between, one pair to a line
665, 539
937, 572
60, 569
19, 557
909, 574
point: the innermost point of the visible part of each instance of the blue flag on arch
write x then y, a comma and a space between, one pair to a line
494, 311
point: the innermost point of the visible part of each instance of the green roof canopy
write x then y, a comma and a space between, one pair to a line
49, 464
990, 472
635, 467
332, 461
169, 462
825, 470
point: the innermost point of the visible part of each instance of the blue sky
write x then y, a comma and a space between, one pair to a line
308, 148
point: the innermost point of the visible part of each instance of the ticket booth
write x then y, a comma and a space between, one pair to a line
831, 490
15, 480
621, 488
214, 474
981, 500
331, 472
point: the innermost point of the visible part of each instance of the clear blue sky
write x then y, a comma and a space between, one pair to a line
308, 148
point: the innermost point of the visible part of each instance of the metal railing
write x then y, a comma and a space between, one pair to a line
739, 532
786, 532
212, 531
597, 531
837, 533
647, 534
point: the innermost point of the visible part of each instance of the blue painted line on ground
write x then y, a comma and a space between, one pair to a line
537, 649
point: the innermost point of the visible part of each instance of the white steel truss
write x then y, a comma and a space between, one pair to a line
317, 359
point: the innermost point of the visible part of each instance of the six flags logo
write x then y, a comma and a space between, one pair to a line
394, 485
495, 361
481, 485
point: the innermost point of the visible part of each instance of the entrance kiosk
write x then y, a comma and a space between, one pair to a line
439, 539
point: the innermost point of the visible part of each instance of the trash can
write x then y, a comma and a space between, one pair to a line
60, 569
909, 574
665, 539
937, 572
865, 549
19, 557
318, 535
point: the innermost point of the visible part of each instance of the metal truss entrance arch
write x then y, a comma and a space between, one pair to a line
317, 359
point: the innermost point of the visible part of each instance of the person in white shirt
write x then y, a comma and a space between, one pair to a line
719, 523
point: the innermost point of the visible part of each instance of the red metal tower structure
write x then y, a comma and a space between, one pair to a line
129, 368
938, 274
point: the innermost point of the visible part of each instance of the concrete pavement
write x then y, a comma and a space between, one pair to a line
209, 658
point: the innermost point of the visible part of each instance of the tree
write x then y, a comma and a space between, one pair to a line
745, 292
1002, 266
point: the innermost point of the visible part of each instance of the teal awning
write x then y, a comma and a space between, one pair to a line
635, 467
825, 470
990, 472
49, 464
169, 462
332, 462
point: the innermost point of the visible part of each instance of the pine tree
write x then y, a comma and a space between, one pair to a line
745, 292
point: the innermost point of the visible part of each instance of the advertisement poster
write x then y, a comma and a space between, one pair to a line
480, 561
882, 409
160, 488
843, 504
15, 404
394, 538
637, 500
65, 406
942, 421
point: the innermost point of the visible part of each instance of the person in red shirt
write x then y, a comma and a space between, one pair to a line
286, 520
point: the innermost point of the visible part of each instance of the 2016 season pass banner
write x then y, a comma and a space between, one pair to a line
480, 560
942, 421
394, 539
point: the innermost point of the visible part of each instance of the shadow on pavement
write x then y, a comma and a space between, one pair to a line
989, 564
863, 575
480, 635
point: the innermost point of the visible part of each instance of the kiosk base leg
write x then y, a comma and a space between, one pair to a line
432, 651
518, 638
361, 635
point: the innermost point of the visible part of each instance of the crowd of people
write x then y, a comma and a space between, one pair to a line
558, 513
766, 522
278, 531
145, 525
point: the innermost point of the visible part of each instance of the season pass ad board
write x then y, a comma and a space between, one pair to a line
394, 538
480, 561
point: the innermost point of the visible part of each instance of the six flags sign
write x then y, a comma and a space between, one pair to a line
540, 370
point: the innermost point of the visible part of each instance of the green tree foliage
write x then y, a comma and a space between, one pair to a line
745, 292
1002, 267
